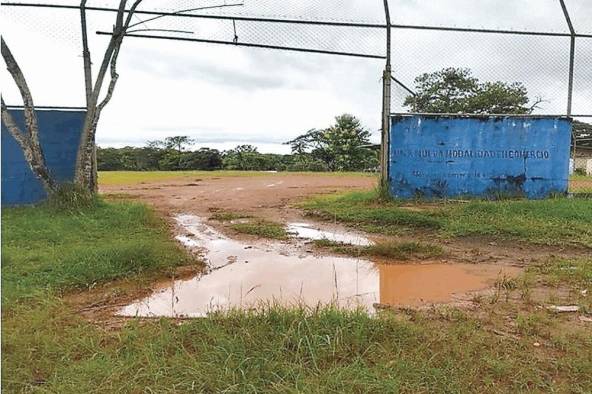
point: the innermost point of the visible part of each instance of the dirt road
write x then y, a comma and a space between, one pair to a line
268, 196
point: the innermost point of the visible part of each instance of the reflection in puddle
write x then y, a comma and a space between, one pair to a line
305, 230
243, 276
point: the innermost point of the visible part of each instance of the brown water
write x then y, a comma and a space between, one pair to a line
243, 276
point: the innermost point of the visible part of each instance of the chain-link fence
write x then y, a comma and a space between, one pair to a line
546, 45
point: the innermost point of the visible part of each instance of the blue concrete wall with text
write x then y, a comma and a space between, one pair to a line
447, 156
59, 134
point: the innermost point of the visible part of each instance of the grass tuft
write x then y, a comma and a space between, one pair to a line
388, 249
262, 228
69, 197
404, 250
227, 216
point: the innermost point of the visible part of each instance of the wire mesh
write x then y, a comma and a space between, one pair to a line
541, 63
582, 102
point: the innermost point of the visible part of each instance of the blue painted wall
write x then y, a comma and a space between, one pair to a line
436, 157
59, 134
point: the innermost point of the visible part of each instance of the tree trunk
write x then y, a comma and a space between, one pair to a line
31, 151
93, 183
86, 175
29, 140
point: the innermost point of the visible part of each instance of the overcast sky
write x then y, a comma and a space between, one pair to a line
223, 96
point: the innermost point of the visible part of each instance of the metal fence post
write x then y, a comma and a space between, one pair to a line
572, 54
386, 104
572, 51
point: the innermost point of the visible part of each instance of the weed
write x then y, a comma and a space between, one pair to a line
261, 228
532, 323
227, 216
382, 192
505, 282
69, 197
404, 250
391, 250
525, 286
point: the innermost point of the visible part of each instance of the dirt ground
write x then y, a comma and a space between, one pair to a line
266, 196
273, 197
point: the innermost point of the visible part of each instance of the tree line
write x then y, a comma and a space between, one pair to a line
344, 146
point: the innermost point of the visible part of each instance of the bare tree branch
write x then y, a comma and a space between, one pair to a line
34, 157
84, 173
21, 83
536, 105
85, 170
29, 140
15, 131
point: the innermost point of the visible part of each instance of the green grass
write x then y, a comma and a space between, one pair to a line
584, 184
577, 273
107, 178
388, 249
559, 221
227, 216
279, 350
48, 347
45, 249
262, 228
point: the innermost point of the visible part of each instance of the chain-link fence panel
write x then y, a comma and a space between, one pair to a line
541, 64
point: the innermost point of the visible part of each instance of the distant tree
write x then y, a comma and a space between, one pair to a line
170, 151
243, 157
343, 146
456, 90
109, 159
583, 134
179, 142
170, 160
148, 158
305, 162
202, 159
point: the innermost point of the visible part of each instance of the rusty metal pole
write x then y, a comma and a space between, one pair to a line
386, 104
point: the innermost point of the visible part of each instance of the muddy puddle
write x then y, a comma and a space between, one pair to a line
243, 275
310, 232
